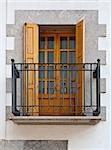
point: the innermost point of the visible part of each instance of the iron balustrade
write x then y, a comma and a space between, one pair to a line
55, 81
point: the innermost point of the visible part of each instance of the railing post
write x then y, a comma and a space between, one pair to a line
14, 109
97, 111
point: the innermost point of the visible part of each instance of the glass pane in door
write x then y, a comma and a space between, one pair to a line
41, 87
63, 42
42, 42
41, 57
50, 73
72, 57
50, 88
72, 43
63, 57
50, 43
50, 57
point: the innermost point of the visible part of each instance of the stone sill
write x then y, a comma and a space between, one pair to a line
56, 120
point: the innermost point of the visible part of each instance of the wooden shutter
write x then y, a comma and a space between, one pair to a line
31, 49
79, 59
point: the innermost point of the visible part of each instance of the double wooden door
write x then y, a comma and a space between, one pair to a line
55, 83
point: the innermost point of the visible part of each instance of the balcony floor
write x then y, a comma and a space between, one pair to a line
56, 120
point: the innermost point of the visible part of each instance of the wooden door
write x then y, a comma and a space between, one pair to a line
80, 59
66, 77
47, 75
59, 100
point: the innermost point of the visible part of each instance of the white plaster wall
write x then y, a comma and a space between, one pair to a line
110, 74
2, 67
80, 137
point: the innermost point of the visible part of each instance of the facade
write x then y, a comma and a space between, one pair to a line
55, 75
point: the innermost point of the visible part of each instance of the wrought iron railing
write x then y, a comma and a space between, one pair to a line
55, 89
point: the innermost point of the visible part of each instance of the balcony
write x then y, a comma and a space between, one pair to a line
56, 93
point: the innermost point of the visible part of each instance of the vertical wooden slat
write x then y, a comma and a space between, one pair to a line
31, 49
